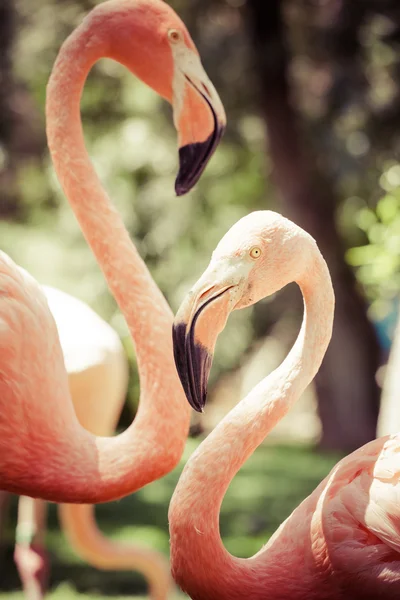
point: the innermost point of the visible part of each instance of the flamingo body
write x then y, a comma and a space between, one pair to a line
98, 377
94, 359
86, 339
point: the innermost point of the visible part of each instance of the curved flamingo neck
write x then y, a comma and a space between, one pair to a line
200, 563
120, 465
126, 274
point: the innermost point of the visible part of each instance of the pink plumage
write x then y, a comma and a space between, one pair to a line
343, 541
44, 450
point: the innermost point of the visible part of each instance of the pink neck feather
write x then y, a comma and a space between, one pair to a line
200, 563
123, 464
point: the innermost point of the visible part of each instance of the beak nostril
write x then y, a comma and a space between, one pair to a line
189, 80
205, 88
203, 85
206, 292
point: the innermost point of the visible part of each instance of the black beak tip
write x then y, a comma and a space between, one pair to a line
198, 406
193, 369
193, 159
201, 365
179, 341
180, 188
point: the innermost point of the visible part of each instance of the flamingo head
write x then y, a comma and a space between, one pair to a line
258, 256
150, 39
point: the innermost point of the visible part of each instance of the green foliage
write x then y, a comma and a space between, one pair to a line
378, 262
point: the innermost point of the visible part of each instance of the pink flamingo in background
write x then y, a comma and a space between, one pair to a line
44, 451
389, 413
343, 541
98, 378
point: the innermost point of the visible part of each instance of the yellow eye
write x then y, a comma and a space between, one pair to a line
174, 36
255, 252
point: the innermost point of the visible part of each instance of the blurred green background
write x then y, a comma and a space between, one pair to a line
312, 95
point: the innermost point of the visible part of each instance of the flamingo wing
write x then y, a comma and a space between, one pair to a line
357, 520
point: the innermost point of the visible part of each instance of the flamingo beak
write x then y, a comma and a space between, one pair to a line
200, 319
200, 120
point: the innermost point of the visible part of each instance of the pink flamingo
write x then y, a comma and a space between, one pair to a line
343, 541
98, 377
389, 413
44, 451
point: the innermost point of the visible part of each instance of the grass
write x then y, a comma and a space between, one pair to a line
261, 496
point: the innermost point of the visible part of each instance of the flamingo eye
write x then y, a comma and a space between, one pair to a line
174, 36
255, 252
